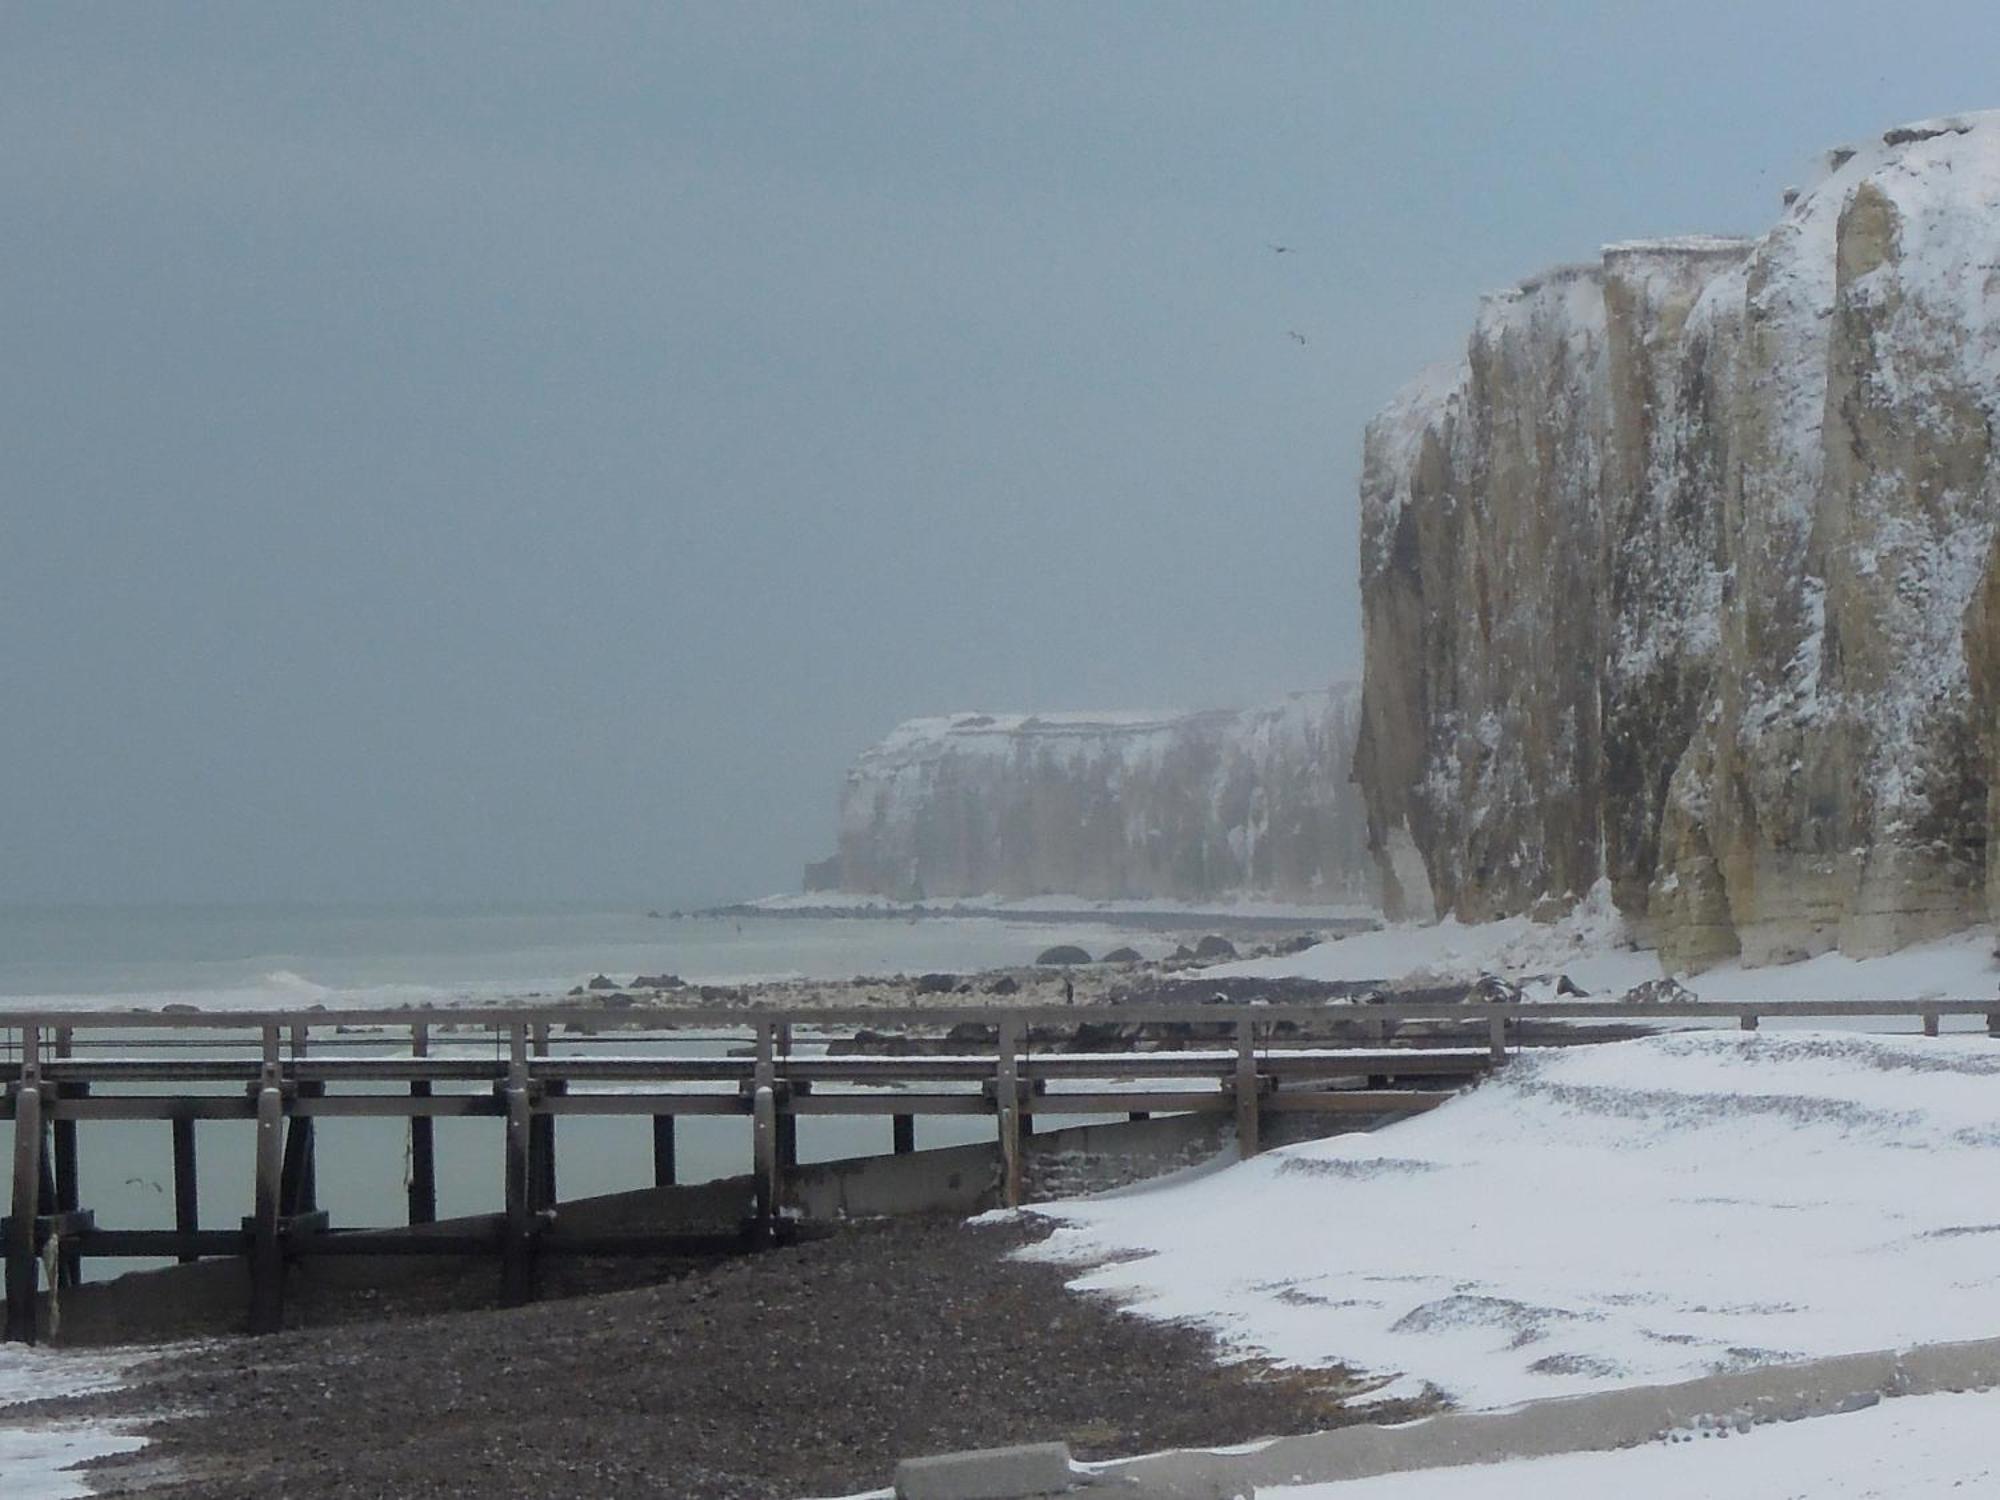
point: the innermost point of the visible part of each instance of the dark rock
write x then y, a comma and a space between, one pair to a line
1658, 992
1299, 943
1491, 989
1006, 984
180, 1008
937, 984
1062, 953
973, 1031
1123, 956
1215, 946
1567, 986
601, 982
575, 990
659, 982
1181, 954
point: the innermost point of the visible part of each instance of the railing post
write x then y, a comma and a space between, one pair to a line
1930, 1023
1496, 1038
422, 1189
1249, 1089
1746, 1022
1007, 1100
20, 1271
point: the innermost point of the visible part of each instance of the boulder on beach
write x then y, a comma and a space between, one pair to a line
1062, 953
936, 984
659, 982
1215, 946
601, 982
1006, 984
1123, 956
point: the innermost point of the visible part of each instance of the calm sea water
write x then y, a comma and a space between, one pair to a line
280, 957
272, 957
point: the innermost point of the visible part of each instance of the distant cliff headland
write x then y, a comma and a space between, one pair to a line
1685, 579
1111, 806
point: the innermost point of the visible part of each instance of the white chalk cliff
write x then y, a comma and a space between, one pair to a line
1686, 578
1111, 806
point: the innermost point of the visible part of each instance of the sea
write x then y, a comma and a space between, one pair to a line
257, 958
285, 957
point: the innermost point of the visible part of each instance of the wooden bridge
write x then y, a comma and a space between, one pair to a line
281, 1072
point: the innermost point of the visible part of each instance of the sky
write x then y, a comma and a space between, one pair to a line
522, 453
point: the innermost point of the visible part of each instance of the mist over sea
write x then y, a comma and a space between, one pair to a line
281, 957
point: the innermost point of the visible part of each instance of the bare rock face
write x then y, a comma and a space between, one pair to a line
1685, 579
1113, 806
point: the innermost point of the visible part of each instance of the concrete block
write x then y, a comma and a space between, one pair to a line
1031, 1469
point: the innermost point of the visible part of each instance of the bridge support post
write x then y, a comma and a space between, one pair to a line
764, 1146
69, 1190
664, 1172
903, 1134
517, 1277
1007, 1100
1249, 1090
267, 1261
765, 1164
187, 1205
542, 1134
422, 1187
20, 1247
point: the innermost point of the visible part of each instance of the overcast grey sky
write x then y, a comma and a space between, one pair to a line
524, 452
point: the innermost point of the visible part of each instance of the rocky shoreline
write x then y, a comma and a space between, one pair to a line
803, 1371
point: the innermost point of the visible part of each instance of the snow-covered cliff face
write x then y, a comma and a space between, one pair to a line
1113, 806
1685, 578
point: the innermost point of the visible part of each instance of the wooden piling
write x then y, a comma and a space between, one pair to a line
663, 1151
517, 1268
1007, 1101
267, 1264
20, 1248
69, 1190
187, 1209
765, 1166
422, 1189
1249, 1088
903, 1134
542, 1133
764, 1148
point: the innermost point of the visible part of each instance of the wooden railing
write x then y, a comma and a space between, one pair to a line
285, 1070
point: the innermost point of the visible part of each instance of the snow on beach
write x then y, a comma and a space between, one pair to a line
1920, 1448
1632, 1213
1591, 946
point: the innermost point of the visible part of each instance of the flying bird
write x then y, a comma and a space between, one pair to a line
1279, 249
1293, 333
